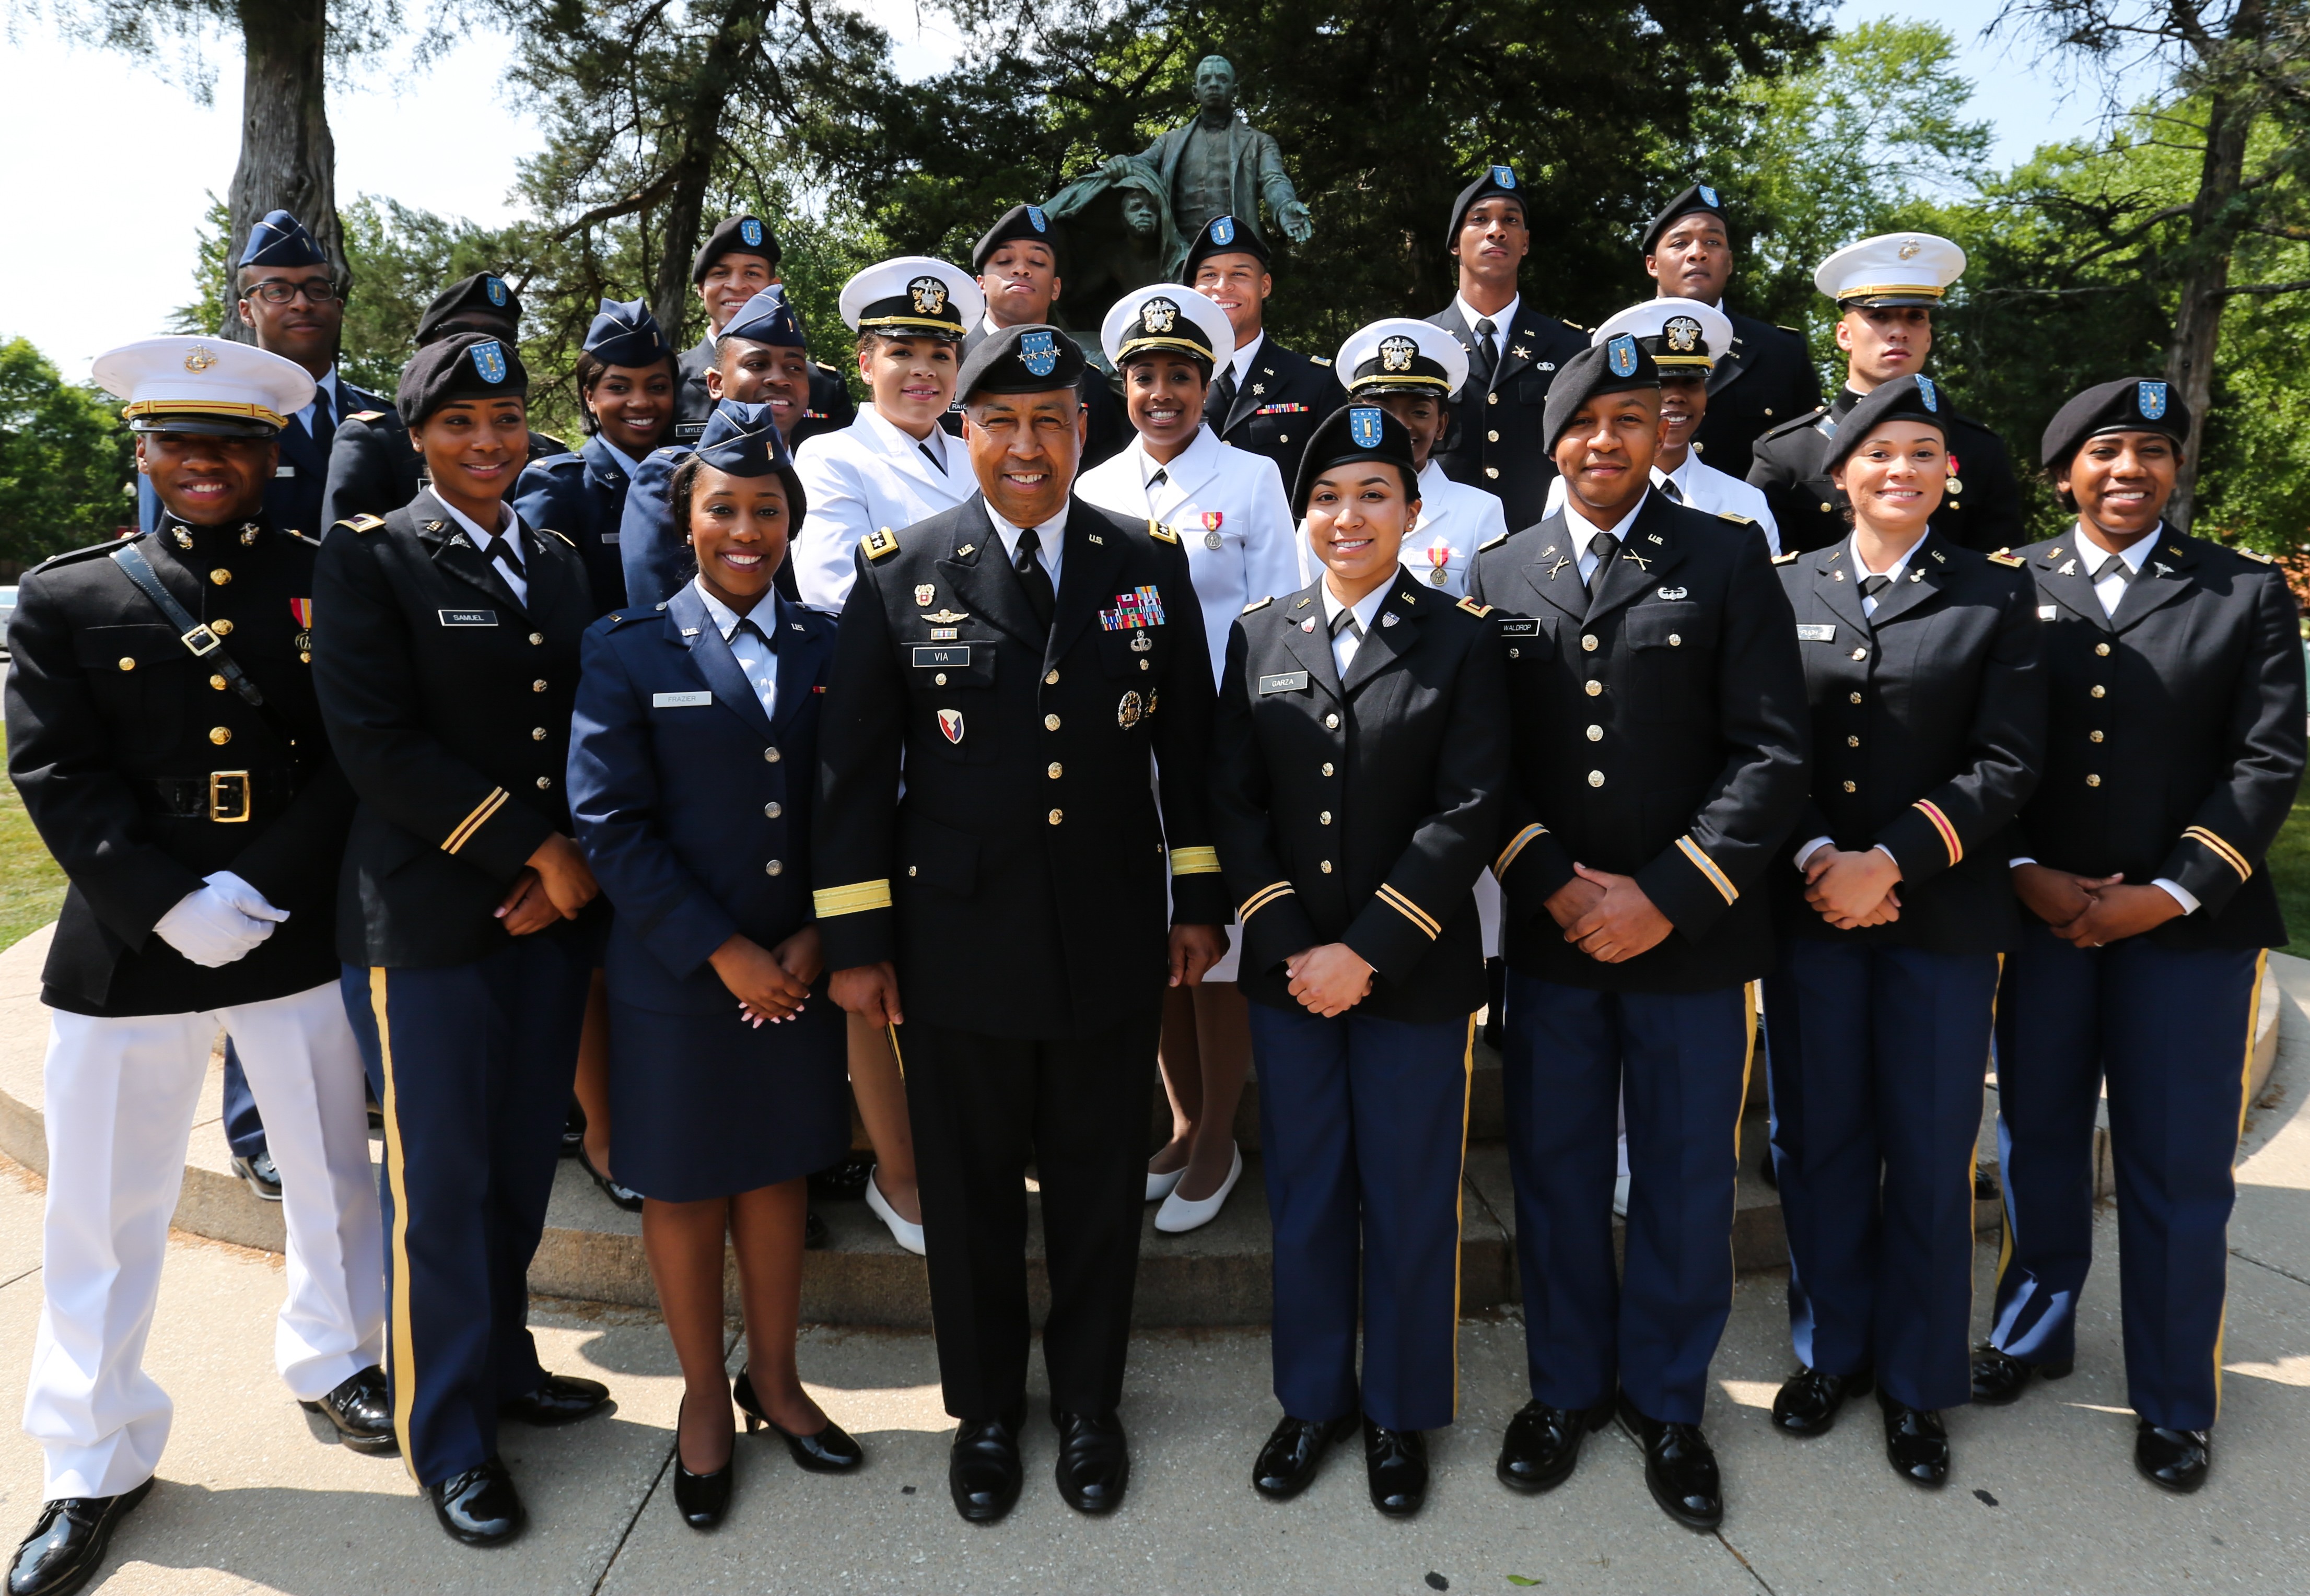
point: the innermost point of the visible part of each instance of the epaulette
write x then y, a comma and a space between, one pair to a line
1259, 604
565, 537
1494, 543
1473, 608
2005, 557
1795, 424
1737, 517
628, 617
2255, 554
366, 415
825, 367
1319, 360
363, 523
73, 556
1788, 559
1161, 533
304, 538
1786, 328
880, 542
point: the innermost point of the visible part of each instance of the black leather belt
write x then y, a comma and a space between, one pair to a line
227, 796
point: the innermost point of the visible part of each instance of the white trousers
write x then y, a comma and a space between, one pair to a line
120, 1098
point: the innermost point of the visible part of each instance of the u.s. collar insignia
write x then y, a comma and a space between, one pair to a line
1038, 353
750, 230
1037, 220
924, 594
1222, 230
1621, 355
929, 295
490, 361
1683, 334
1708, 198
495, 287
966, 548
1932, 400
2149, 397
1159, 315
1363, 426
199, 357
1503, 177
1395, 354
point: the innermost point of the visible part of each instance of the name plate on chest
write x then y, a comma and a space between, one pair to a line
1289, 681
469, 617
1520, 629
1816, 634
956, 657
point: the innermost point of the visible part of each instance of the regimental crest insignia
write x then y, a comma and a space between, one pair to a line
1395, 354
929, 295
1222, 230
1683, 334
1363, 426
495, 287
1909, 247
2149, 398
1708, 198
951, 724
199, 357
490, 361
1038, 353
1621, 355
1037, 220
924, 594
1925, 393
751, 231
1159, 315
1503, 177
1127, 713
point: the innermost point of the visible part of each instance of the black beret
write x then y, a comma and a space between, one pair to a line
2130, 404
1618, 365
482, 303
743, 441
461, 365
1224, 234
1354, 432
1034, 359
1496, 180
1904, 399
1020, 222
1699, 197
734, 235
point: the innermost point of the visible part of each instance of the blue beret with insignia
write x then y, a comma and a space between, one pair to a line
1029, 224
1226, 235
625, 333
461, 365
1618, 365
1698, 199
1354, 432
281, 240
766, 318
1497, 181
482, 303
2129, 405
1911, 398
1029, 359
734, 235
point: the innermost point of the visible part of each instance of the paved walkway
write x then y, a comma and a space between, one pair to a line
2043, 1499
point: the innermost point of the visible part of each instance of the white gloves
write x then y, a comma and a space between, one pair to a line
220, 922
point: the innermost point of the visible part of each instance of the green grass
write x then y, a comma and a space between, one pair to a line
31, 887
2289, 871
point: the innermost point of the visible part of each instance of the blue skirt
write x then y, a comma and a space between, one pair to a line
706, 1106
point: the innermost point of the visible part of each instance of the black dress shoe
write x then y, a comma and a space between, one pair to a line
2174, 1459
1916, 1443
2000, 1377
1395, 1468
1808, 1400
480, 1506
701, 1498
815, 1237
263, 1178
573, 1130
66, 1544
831, 1451
1094, 1460
1288, 1462
983, 1471
1543, 1443
842, 1183
1679, 1469
561, 1399
625, 1197
361, 1412
1985, 1184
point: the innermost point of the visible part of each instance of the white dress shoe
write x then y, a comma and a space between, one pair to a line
1621, 1197
1177, 1214
906, 1234
1159, 1186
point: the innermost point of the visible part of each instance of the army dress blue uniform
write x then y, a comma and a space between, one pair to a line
1981, 499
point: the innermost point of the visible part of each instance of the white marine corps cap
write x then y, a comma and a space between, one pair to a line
1680, 334
204, 385
1165, 315
1399, 355
913, 293
1891, 269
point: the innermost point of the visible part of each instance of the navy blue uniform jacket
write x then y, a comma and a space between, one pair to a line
582, 497
694, 836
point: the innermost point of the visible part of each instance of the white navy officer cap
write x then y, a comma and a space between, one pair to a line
204, 385
913, 293
1165, 315
1399, 354
1891, 269
1680, 334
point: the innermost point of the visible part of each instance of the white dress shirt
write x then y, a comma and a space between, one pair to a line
1244, 354
868, 475
1051, 536
1706, 488
1344, 642
1584, 531
481, 539
753, 654
1507, 313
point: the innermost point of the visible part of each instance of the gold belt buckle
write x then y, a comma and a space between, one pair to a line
223, 795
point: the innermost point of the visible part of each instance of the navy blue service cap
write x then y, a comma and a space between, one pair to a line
1020, 222
1912, 398
1497, 180
281, 240
1224, 234
482, 303
735, 234
1618, 365
205, 386
2129, 405
1354, 432
462, 366
625, 333
1698, 199
1035, 358
743, 440
766, 318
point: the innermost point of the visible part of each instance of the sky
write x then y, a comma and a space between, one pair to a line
83, 123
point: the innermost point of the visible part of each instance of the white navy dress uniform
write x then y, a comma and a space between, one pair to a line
127, 1057
1225, 506
872, 476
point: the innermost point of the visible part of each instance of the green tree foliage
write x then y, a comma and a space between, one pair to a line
65, 460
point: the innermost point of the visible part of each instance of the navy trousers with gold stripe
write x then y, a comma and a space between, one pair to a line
1877, 1056
1682, 1060
1364, 1132
2172, 1033
472, 1063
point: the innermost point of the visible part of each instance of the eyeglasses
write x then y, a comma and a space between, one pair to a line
280, 291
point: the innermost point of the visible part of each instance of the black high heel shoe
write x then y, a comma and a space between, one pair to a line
831, 1451
703, 1498
625, 1197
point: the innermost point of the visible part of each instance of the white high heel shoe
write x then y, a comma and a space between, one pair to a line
1178, 1214
903, 1231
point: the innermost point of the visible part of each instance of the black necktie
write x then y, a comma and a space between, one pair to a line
937, 465
1603, 546
1872, 587
1034, 578
2117, 566
746, 624
324, 421
1346, 622
1220, 400
500, 548
1484, 360
1668, 486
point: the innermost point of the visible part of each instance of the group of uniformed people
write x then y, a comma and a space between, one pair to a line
1186, 701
